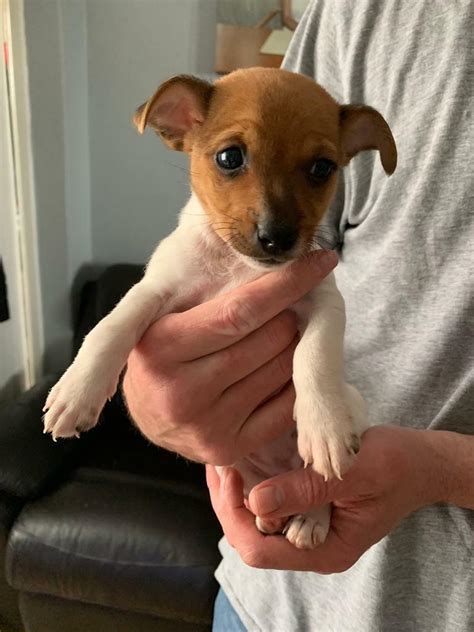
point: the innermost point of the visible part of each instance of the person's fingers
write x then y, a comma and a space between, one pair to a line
252, 391
227, 498
225, 486
213, 483
276, 552
265, 424
272, 551
224, 320
292, 493
228, 366
268, 422
297, 491
232, 488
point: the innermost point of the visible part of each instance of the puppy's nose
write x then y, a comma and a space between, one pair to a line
276, 238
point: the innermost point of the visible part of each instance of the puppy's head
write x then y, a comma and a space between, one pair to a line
265, 148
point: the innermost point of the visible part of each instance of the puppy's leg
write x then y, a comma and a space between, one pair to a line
309, 530
75, 402
329, 413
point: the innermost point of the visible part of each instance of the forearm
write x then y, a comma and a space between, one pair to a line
453, 455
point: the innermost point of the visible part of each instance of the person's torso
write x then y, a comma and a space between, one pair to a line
407, 278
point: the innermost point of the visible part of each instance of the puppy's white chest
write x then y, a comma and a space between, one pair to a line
222, 272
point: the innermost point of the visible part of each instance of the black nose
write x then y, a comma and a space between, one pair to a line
276, 238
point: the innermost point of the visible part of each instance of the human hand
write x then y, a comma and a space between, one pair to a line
214, 383
395, 473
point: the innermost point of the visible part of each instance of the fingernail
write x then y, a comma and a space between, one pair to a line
268, 499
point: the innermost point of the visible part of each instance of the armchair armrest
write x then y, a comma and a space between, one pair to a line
29, 460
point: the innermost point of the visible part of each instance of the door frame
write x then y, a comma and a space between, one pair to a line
15, 58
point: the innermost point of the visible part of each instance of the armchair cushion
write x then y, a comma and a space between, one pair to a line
120, 540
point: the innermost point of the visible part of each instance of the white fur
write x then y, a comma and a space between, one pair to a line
189, 267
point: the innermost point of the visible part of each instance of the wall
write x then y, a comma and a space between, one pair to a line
138, 186
45, 72
103, 193
75, 88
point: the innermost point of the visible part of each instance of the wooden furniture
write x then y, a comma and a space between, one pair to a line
239, 47
287, 15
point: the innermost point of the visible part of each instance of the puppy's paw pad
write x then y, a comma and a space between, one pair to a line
306, 531
270, 527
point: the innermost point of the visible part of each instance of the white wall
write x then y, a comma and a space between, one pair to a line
45, 73
104, 194
75, 88
137, 186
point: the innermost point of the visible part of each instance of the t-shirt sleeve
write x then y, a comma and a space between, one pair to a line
314, 51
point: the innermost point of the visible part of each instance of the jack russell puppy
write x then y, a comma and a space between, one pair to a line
265, 147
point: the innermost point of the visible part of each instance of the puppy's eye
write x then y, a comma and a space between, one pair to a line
321, 169
230, 159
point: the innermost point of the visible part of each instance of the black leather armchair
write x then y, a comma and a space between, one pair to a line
105, 533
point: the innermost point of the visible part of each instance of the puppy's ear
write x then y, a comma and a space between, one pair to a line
179, 105
363, 128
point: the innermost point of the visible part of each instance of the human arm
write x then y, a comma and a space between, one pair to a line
397, 471
453, 454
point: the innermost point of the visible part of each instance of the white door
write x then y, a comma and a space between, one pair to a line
13, 361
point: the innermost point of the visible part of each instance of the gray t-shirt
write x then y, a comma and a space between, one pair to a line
407, 275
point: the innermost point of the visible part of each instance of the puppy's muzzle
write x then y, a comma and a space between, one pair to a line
276, 239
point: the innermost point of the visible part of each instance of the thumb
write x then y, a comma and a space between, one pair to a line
291, 493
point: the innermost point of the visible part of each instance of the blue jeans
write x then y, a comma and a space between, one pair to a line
225, 617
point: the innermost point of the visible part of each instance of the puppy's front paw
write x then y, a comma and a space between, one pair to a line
309, 530
327, 437
75, 402
329, 452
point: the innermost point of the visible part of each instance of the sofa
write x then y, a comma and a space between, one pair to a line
106, 532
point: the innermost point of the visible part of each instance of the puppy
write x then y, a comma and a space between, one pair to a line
265, 147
